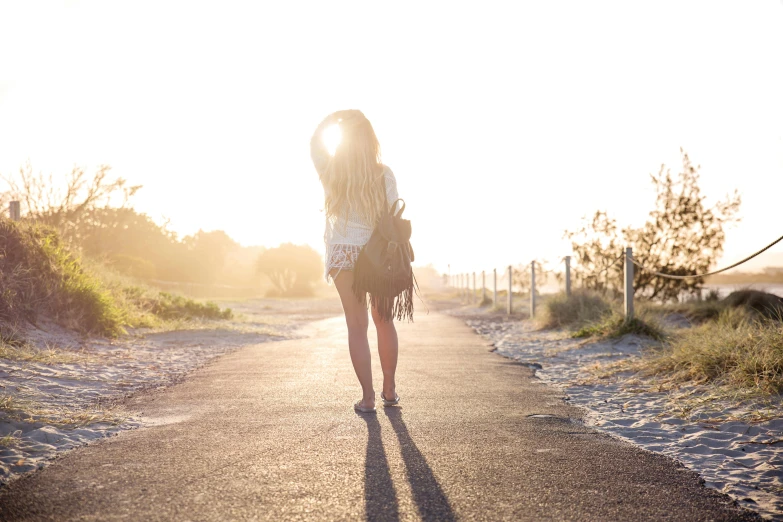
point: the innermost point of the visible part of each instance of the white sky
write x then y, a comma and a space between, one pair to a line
504, 122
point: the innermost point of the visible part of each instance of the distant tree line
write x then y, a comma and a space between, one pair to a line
770, 275
93, 215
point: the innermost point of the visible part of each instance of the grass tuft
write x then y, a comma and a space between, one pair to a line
615, 325
28, 353
172, 306
739, 349
581, 308
12, 439
38, 413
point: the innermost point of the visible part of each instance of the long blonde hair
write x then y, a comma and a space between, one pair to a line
353, 178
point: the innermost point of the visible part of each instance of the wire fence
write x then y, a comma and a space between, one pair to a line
462, 282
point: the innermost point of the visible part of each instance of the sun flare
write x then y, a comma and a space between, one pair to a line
331, 137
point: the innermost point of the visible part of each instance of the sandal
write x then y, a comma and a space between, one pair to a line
394, 402
362, 409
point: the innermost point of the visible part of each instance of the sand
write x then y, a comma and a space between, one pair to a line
741, 459
75, 395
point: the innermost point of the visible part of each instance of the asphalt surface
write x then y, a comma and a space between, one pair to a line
269, 433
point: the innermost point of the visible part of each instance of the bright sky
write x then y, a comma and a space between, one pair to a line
505, 122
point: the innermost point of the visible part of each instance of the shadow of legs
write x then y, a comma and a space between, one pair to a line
427, 493
380, 498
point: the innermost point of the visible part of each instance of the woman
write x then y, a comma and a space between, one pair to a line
358, 188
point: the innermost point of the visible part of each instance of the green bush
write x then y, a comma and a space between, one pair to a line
38, 275
172, 306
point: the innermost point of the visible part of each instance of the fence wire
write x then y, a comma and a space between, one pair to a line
607, 267
696, 276
503, 273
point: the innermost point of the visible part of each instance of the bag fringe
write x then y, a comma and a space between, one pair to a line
388, 300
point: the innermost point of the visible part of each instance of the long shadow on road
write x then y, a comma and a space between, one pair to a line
380, 498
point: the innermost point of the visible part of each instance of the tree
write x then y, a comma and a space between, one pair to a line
207, 253
681, 237
292, 269
94, 216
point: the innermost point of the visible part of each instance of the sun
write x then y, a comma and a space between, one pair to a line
331, 137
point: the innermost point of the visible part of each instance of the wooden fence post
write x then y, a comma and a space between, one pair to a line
568, 276
15, 211
494, 287
532, 289
628, 293
510, 288
483, 287
473, 295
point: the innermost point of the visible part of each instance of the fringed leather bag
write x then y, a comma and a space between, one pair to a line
383, 268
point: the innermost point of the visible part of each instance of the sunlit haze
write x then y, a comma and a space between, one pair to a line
331, 138
504, 122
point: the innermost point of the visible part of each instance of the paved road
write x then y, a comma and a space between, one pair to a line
268, 432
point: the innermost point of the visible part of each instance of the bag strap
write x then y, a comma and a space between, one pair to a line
402, 209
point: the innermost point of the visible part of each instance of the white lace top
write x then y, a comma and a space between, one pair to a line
351, 234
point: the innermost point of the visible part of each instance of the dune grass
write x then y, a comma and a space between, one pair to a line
35, 412
9, 440
738, 349
39, 276
583, 307
735, 343
29, 353
590, 314
614, 324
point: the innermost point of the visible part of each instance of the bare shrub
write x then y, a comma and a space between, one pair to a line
65, 206
681, 237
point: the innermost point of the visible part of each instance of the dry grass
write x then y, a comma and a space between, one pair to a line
36, 413
615, 325
579, 309
696, 312
28, 353
590, 314
12, 439
738, 350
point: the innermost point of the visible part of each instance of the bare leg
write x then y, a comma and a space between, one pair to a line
358, 345
387, 351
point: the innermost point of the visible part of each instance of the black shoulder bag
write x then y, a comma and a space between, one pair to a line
383, 268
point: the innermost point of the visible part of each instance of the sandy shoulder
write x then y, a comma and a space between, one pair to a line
73, 391
741, 458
